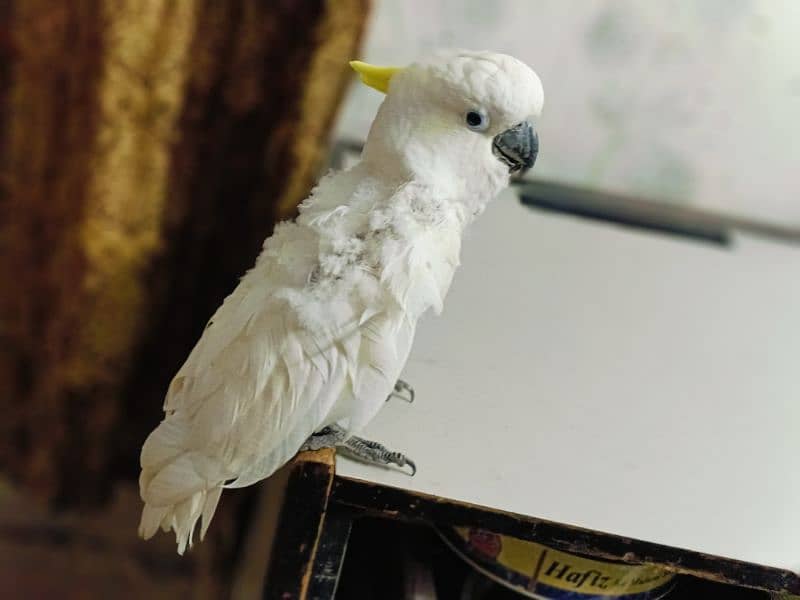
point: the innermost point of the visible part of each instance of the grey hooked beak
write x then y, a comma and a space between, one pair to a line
517, 147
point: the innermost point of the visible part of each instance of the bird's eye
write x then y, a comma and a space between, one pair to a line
477, 120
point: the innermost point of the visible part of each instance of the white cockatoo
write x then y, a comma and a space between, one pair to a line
313, 339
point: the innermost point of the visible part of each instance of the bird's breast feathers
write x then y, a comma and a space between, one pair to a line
326, 316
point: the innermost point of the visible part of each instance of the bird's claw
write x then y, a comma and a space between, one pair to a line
375, 453
401, 460
403, 391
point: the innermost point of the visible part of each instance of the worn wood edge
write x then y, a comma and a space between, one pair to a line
330, 554
257, 545
306, 581
308, 493
326, 456
396, 503
251, 571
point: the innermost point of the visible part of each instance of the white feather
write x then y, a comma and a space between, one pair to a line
320, 328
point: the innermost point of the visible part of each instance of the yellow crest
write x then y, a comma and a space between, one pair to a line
375, 77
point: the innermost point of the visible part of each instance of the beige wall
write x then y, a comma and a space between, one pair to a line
692, 101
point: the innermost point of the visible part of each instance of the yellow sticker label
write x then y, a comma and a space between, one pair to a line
560, 570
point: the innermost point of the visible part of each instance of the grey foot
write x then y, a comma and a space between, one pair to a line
367, 451
329, 437
375, 453
403, 391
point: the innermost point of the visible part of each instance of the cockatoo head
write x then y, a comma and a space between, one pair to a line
461, 119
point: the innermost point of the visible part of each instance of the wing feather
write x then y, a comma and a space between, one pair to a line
317, 332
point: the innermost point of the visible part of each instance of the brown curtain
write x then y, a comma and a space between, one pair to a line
147, 147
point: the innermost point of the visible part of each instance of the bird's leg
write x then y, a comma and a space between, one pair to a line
374, 453
334, 436
403, 391
328, 437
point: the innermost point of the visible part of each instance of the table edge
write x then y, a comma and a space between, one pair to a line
397, 503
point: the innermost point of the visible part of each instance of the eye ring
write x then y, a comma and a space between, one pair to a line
477, 119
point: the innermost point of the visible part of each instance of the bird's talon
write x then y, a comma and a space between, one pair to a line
375, 453
404, 391
401, 460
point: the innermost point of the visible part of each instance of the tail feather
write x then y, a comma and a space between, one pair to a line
182, 517
152, 517
209, 508
165, 443
175, 482
179, 487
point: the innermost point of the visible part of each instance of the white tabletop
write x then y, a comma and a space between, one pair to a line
621, 381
